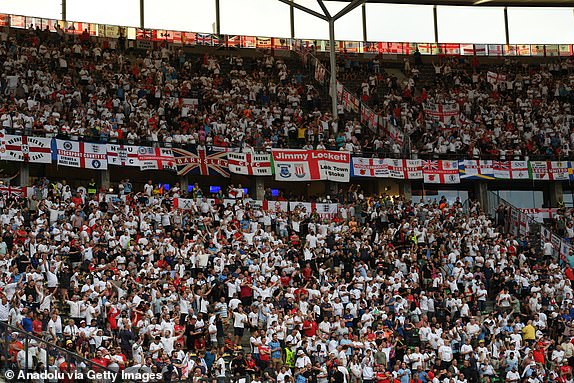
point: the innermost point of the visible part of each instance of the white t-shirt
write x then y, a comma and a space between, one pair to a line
446, 353
239, 320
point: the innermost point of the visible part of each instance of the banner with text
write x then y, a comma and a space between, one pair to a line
311, 165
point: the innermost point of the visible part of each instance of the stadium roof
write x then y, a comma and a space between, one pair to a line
498, 3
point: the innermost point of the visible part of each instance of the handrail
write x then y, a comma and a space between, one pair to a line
11, 370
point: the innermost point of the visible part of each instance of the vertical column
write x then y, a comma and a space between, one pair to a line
183, 184
217, 18
105, 182
435, 18
24, 175
333, 61
142, 14
258, 186
364, 12
506, 25
407, 190
64, 11
292, 18
481, 194
554, 195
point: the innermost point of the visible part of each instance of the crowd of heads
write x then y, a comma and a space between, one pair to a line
386, 289
60, 85
522, 109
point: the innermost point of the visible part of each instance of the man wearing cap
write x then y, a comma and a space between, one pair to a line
302, 359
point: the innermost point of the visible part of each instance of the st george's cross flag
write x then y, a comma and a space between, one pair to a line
123, 155
28, 149
440, 172
405, 169
252, 164
83, 155
549, 170
155, 158
510, 170
369, 167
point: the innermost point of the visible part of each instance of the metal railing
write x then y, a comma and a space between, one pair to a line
23, 354
25, 357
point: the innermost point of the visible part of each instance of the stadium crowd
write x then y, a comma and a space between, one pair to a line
387, 290
510, 109
55, 84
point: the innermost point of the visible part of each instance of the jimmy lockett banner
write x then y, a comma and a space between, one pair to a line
311, 165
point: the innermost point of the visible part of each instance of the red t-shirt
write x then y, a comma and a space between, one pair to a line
264, 352
100, 361
37, 326
246, 291
538, 355
287, 279
313, 327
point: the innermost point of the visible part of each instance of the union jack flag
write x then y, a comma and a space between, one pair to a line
206, 39
203, 162
203, 39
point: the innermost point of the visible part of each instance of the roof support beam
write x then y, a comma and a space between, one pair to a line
506, 26
305, 9
352, 5
324, 8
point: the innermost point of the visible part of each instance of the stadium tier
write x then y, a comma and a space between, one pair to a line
189, 214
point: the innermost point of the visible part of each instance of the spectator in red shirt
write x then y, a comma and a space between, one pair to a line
37, 324
264, 354
309, 327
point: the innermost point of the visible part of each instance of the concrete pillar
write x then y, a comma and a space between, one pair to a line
332, 188
105, 179
183, 184
481, 194
24, 175
407, 190
554, 194
259, 186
